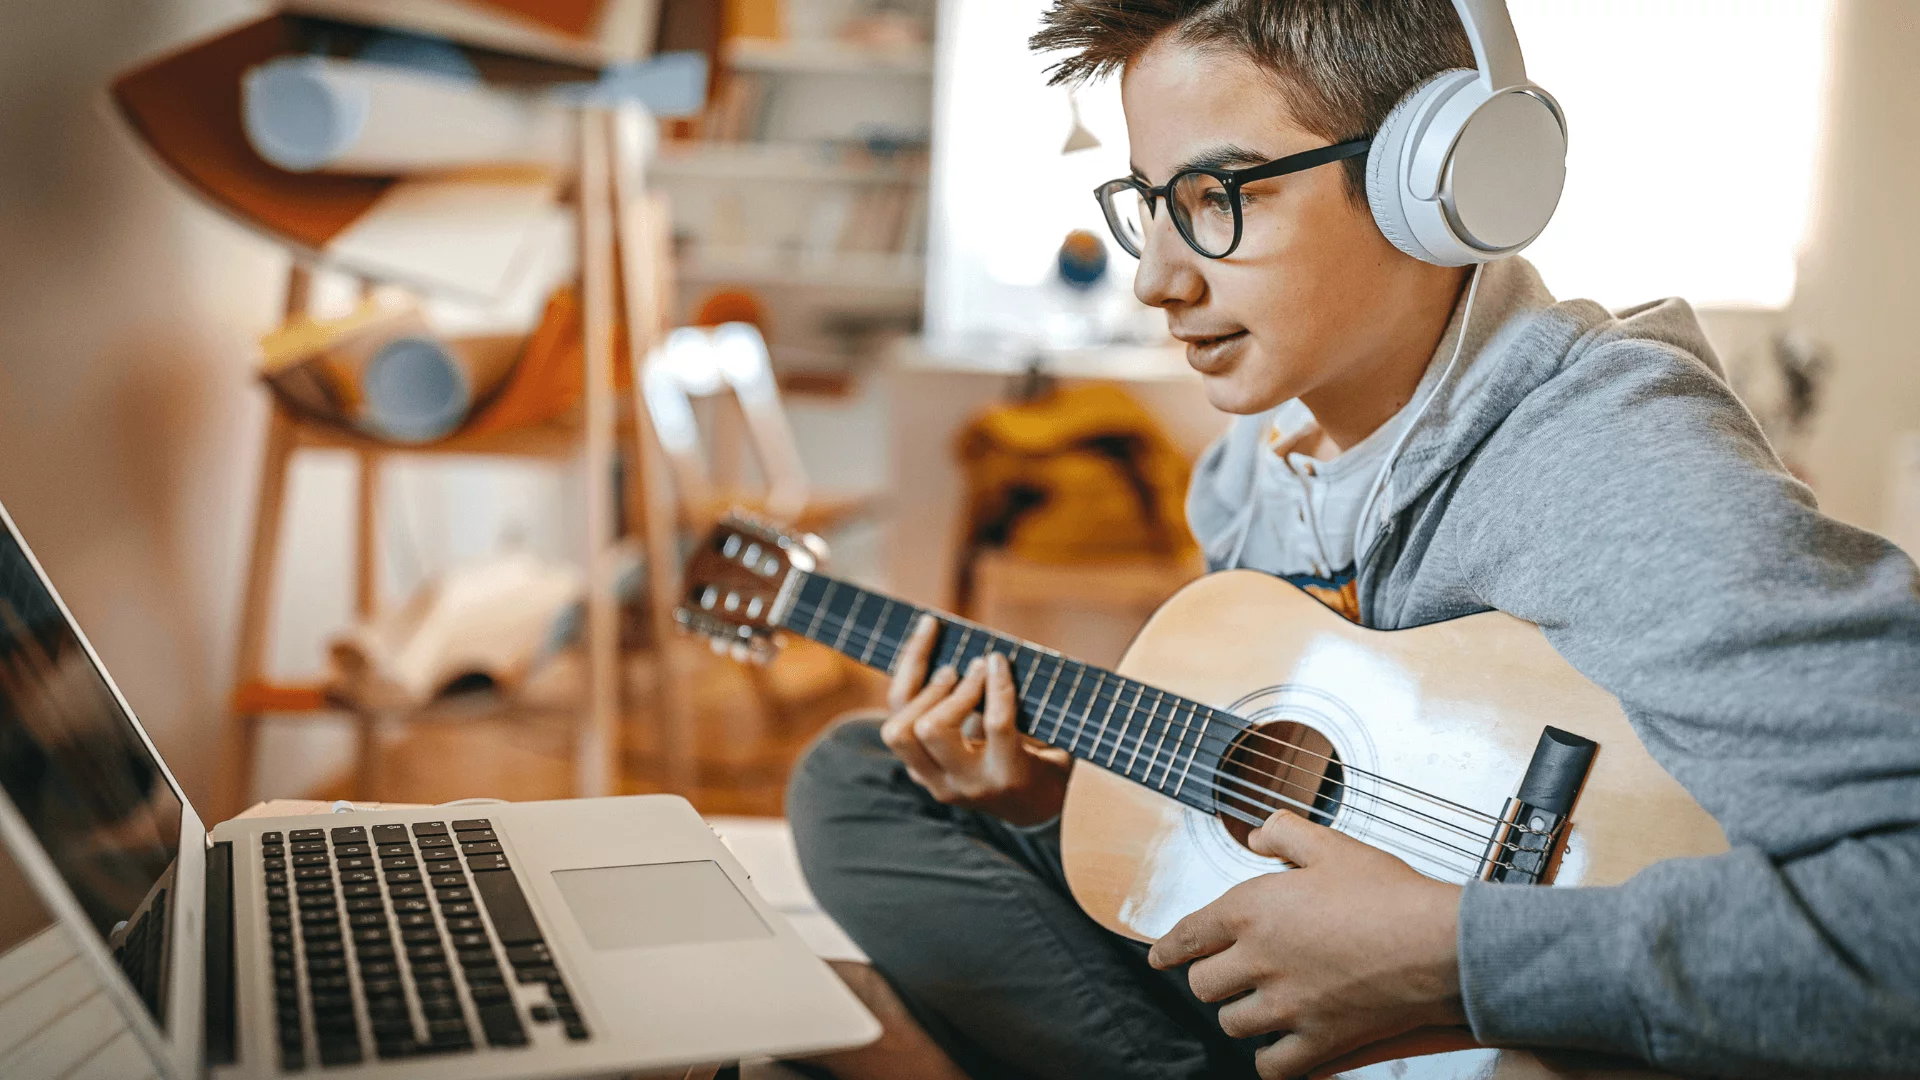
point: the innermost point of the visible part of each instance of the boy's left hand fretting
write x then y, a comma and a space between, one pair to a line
1350, 947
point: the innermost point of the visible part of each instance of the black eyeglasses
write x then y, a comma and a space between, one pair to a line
1205, 202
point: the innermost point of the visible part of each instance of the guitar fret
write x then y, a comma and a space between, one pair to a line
1179, 740
859, 597
821, 610
1142, 740
1154, 758
1195, 752
1108, 715
1032, 670
1138, 689
1040, 709
1080, 672
874, 638
1206, 725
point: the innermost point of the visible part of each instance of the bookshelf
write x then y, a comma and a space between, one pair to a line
803, 190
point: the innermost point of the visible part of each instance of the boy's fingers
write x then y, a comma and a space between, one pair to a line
939, 728
910, 669
933, 693
1005, 749
899, 736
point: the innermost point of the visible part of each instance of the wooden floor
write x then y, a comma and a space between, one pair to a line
742, 756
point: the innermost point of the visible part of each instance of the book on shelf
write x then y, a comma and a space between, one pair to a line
591, 32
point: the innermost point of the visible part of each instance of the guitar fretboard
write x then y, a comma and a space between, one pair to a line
1166, 742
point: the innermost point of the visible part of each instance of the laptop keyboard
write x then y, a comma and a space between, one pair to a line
388, 943
140, 954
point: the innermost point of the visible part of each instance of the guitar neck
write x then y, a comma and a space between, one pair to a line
1168, 743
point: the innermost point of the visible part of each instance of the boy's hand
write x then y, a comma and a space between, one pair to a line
1350, 947
1007, 774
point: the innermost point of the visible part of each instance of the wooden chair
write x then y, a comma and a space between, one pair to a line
728, 369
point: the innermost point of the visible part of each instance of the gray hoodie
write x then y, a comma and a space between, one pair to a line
1593, 474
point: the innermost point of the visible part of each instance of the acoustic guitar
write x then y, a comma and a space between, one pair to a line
1467, 748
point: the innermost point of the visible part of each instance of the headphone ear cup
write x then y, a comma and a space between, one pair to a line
1386, 158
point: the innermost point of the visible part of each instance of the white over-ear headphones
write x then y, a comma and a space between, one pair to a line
1469, 165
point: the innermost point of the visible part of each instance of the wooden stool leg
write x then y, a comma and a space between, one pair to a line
643, 246
595, 758
367, 786
256, 615
366, 601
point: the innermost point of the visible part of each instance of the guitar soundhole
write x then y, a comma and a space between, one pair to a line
1281, 764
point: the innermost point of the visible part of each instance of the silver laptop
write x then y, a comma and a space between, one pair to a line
594, 937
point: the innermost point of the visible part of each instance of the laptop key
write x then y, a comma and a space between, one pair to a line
489, 847
305, 834
512, 918
423, 828
389, 834
347, 834
270, 838
411, 905
346, 851
486, 862
502, 1025
472, 825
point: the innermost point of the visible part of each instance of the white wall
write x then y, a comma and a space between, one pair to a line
127, 318
1861, 271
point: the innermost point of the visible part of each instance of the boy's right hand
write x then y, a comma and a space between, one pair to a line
1007, 774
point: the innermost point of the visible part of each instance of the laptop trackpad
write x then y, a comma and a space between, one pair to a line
637, 907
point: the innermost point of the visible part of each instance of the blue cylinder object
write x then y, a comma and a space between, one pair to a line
414, 391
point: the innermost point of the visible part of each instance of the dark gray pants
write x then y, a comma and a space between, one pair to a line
970, 919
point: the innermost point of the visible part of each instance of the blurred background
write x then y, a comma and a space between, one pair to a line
306, 446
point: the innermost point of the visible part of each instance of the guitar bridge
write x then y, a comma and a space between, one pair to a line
1534, 821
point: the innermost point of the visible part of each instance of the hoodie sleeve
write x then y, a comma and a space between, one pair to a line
1769, 658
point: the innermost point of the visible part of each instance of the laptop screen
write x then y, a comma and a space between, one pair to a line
75, 766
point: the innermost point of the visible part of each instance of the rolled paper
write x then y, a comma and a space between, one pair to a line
325, 114
414, 390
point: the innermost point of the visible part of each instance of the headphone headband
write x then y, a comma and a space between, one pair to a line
1496, 48
1468, 167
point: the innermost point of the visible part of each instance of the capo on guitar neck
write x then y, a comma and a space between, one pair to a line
1534, 820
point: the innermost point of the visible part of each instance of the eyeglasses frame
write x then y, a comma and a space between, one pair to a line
1230, 179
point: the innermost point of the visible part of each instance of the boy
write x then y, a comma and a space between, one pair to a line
1589, 473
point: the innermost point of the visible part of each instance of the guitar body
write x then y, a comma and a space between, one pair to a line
1453, 708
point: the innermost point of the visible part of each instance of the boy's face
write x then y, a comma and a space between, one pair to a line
1314, 299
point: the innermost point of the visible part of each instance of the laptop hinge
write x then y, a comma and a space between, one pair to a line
220, 1012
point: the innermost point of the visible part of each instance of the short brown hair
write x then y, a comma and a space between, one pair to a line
1340, 64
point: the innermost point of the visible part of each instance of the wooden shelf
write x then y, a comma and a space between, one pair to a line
827, 58
789, 162
847, 270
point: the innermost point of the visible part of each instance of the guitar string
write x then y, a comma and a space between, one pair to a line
1469, 834
1139, 743
1490, 819
1218, 775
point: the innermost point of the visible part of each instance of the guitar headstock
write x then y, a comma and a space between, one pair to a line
734, 582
